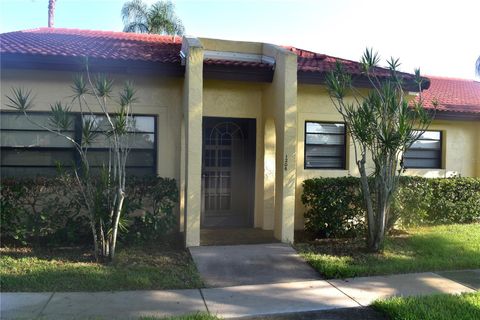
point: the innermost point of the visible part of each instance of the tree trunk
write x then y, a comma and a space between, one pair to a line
104, 241
113, 240
382, 208
51, 13
95, 238
368, 200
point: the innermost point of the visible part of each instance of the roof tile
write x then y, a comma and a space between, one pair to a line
455, 95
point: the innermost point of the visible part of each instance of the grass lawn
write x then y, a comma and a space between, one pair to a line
446, 247
435, 307
143, 267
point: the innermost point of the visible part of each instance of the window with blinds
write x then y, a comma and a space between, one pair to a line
325, 145
28, 150
140, 138
426, 152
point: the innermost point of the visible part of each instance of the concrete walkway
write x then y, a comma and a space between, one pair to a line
227, 302
225, 266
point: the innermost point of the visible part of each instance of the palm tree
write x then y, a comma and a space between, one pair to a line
159, 18
51, 13
478, 66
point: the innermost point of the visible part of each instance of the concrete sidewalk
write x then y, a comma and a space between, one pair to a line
227, 302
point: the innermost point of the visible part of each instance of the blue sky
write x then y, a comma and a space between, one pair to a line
439, 36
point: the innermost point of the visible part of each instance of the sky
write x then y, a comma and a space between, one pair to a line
442, 38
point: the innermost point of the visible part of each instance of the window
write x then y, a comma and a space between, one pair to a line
426, 152
324, 145
27, 150
141, 138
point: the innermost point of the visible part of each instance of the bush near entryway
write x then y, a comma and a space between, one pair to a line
44, 212
334, 206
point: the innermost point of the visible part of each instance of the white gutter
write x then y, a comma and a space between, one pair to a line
238, 56
234, 56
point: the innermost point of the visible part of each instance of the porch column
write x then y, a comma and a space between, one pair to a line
282, 106
193, 112
269, 165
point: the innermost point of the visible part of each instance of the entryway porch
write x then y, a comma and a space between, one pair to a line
238, 148
236, 236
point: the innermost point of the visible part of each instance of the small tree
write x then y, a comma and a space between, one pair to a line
383, 126
101, 194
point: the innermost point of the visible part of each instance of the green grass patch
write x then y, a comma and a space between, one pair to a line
135, 268
436, 307
446, 247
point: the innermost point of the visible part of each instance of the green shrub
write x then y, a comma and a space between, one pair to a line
156, 198
334, 206
45, 212
411, 205
422, 201
455, 200
39, 211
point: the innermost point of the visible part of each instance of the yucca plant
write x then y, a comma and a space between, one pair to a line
103, 194
383, 124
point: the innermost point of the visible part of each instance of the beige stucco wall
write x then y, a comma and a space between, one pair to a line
314, 104
156, 96
461, 144
280, 105
231, 46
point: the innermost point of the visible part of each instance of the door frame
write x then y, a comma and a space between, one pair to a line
251, 143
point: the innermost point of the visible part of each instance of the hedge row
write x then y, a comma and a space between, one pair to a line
335, 208
46, 211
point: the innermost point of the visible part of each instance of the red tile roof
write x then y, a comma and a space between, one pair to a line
94, 44
454, 95
143, 47
102, 44
309, 61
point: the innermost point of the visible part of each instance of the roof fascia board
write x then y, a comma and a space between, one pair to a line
237, 73
357, 80
453, 115
77, 64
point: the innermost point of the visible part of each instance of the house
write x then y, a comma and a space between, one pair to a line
240, 125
